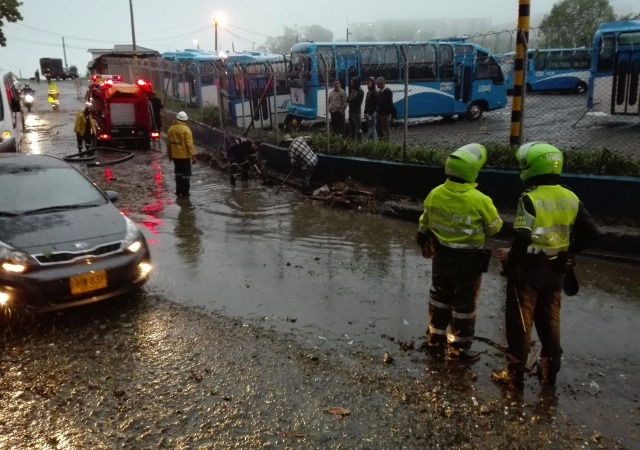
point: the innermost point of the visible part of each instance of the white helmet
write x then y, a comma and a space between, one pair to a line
182, 116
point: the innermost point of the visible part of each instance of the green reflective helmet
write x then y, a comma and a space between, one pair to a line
539, 158
466, 162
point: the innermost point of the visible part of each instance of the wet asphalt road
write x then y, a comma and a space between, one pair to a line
352, 284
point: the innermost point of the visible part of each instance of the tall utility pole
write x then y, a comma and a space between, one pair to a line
64, 52
133, 31
215, 31
520, 72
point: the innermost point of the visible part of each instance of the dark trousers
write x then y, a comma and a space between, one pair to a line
183, 176
455, 284
384, 127
355, 126
305, 172
87, 140
241, 169
537, 290
337, 123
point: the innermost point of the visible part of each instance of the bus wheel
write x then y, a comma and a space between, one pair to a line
474, 111
581, 87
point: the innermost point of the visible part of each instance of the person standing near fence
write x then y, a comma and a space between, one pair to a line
370, 107
550, 225
452, 230
337, 106
181, 151
385, 109
356, 95
156, 108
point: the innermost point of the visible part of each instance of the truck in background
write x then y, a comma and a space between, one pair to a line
52, 69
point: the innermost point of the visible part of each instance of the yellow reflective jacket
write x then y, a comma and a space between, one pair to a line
459, 215
81, 124
556, 209
180, 141
52, 89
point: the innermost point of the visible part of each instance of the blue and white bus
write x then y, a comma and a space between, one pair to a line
614, 87
551, 70
445, 78
254, 105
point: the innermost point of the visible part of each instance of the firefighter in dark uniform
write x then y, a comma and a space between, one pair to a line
551, 225
453, 226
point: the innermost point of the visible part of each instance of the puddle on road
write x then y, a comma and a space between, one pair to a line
348, 281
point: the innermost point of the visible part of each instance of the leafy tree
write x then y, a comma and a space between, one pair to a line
282, 44
73, 70
572, 23
8, 11
317, 33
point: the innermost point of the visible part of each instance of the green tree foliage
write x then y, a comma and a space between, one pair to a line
572, 23
73, 70
8, 11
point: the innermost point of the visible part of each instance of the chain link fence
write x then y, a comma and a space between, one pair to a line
468, 90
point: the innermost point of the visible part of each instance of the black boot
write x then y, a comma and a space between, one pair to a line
463, 356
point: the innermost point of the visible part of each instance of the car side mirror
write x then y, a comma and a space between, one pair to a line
112, 195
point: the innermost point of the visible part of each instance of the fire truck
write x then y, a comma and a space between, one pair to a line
122, 112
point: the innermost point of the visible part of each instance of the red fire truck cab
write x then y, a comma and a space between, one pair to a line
122, 112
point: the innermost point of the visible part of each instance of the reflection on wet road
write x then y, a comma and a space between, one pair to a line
345, 280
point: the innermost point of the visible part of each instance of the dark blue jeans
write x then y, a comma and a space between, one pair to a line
305, 172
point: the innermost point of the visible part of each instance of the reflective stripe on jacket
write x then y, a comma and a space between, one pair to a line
180, 141
556, 209
459, 215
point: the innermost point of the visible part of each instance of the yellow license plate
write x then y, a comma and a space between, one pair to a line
88, 282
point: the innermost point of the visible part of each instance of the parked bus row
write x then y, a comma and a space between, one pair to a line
445, 78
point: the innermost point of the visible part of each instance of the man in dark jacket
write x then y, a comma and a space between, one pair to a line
241, 154
370, 107
356, 95
385, 109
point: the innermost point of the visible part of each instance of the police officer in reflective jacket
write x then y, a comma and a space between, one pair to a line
551, 224
453, 226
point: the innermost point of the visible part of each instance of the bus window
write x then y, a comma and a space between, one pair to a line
422, 60
328, 64
629, 39
389, 59
347, 63
539, 61
367, 66
487, 68
560, 60
300, 66
445, 62
581, 59
605, 56
464, 50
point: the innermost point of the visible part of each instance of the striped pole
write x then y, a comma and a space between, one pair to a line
520, 72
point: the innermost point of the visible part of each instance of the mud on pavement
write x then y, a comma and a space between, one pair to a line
148, 373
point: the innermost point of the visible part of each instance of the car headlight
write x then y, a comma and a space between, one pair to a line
12, 260
133, 236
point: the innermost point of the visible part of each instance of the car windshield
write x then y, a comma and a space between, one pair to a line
25, 189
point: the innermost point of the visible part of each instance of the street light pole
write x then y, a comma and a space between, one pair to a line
215, 28
133, 31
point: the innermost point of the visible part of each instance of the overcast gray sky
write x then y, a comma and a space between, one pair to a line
166, 25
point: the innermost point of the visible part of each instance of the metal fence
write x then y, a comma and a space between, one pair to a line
255, 101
